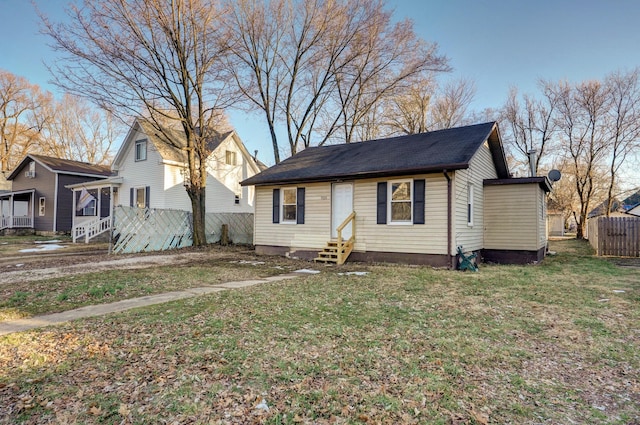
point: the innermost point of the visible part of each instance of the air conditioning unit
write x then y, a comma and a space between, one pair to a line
30, 174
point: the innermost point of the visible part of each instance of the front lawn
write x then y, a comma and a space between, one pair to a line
556, 343
27, 298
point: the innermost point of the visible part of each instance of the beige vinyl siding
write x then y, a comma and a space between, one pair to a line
542, 219
314, 234
429, 238
512, 217
481, 167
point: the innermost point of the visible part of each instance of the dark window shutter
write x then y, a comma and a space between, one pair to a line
132, 203
418, 201
276, 205
147, 191
300, 206
382, 203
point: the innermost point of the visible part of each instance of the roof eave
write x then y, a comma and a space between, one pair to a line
359, 176
542, 181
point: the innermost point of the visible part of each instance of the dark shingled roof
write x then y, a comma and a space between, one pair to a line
616, 205
170, 150
65, 166
435, 151
542, 181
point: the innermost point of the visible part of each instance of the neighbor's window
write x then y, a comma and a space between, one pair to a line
289, 204
230, 158
90, 209
41, 204
141, 150
400, 201
470, 205
140, 197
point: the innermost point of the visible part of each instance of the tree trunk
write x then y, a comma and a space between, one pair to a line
197, 196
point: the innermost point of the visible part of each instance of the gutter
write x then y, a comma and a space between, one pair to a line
251, 181
449, 224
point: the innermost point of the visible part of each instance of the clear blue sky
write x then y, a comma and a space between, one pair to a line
495, 43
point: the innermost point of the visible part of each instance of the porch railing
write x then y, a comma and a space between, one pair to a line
91, 229
345, 247
16, 222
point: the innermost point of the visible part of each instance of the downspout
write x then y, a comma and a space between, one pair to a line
449, 229
55, 206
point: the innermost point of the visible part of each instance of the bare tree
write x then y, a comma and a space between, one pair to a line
451, 104
530, 125
80, 132
259, 34
582, 110
408, 112
387, 60
426, 106
24, 111
623, 124
564, 196
157, 59
313, 67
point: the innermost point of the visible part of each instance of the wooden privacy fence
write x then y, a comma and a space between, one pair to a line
146, 229
615, 236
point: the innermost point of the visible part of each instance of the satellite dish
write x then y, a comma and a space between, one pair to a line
554, 175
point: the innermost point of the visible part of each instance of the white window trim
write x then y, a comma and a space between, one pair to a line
144, 196
135, 150
390, 200
41, 206
91, 206
470, 205
282, 219
231, 158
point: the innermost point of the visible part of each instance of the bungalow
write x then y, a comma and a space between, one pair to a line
412, 199
39, 201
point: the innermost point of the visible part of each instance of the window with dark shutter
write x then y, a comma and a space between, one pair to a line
300, 206
382, 203
418, 201
276, 206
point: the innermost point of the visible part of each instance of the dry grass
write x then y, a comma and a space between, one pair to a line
556, 343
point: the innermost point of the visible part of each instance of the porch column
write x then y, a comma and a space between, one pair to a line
73, 216
99, 211
33, 202
11, 207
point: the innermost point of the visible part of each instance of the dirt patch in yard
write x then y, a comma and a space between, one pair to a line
30, 268
626, 262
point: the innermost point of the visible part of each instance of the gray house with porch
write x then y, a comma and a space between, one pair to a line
39, 201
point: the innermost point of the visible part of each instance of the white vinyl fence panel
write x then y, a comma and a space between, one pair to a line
145, 229
240, 227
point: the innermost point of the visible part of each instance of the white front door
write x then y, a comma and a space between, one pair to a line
341, 207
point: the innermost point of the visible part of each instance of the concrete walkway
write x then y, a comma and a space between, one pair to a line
20, 325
